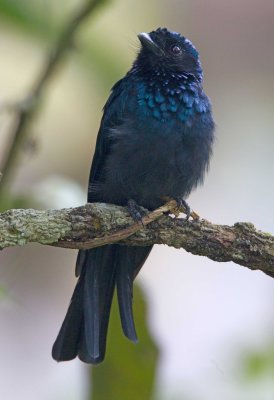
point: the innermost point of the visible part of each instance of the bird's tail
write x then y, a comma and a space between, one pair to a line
129, 261
84, 329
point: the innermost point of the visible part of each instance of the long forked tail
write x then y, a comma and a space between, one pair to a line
84, 330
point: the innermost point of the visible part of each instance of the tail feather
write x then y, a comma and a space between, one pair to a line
65, 347
108, 273
80, 262
124, 282
91, 305
98, 295
129, 261
84, 330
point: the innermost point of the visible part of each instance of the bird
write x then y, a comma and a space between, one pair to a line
155, 142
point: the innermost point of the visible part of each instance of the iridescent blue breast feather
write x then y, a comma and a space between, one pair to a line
167, 96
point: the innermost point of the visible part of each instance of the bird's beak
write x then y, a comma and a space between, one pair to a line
149, 44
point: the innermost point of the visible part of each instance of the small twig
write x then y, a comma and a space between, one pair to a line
27, 108
98, 224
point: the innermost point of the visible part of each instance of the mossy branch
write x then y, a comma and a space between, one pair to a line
98, 224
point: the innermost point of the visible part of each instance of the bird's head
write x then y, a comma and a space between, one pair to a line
168, 51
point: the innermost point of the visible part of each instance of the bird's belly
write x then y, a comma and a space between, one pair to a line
147, 169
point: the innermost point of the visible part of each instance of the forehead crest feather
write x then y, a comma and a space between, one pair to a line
169, 35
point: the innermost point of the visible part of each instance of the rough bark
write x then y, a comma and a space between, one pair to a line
97, 224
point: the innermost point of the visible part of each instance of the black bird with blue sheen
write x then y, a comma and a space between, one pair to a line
154, 142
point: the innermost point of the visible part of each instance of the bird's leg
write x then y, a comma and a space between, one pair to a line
136, 212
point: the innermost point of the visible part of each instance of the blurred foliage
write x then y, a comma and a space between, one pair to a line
257, 365
31, 15
42, 17
3, 293
45, 19
129, 369
11, 201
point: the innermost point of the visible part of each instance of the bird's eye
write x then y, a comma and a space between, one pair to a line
176, 50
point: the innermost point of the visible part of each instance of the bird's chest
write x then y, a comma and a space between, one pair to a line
156, 149
167, 99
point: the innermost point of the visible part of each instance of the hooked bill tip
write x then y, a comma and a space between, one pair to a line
148, 43
144, 37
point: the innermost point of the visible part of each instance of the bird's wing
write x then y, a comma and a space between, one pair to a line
102, 267
114, 113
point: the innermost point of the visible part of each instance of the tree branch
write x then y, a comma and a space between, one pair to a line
97, 224
27, 108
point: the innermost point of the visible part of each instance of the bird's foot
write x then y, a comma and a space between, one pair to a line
183, 207
136, 212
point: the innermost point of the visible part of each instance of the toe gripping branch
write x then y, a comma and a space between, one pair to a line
136, 212
183, 207
139, 214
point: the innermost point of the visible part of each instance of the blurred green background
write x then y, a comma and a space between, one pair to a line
212, 324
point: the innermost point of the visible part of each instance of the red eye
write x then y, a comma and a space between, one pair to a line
176, 50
